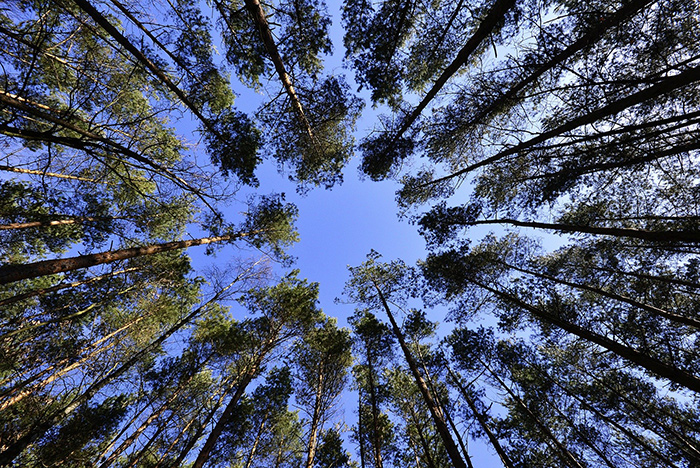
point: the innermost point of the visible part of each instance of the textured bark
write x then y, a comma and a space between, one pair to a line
12, 273
258, 15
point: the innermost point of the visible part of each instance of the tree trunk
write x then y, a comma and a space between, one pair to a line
651, 236
50, 420
653, 365
435, 411
593, 35
654, 310
12, 273
495, 14
258, 15
58, 287
249, 375
668, 85
507, 463
48, 174
566, 456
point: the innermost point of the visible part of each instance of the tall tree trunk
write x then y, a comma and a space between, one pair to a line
654, 310
653, 365
58, 287
376, 443
495, 14
566, 456
232, 405
12, 273
56, 222
652, 236
505, 459
435, 411
666, 86
54, 417
586, 40
315, 422
47, 174
258, 15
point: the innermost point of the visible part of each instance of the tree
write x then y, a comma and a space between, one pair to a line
373, 284
322, 360
373, 343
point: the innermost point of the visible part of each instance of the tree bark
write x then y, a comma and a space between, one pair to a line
653, 365
652, 236
258, 15
435, 411
12, 273
668, 85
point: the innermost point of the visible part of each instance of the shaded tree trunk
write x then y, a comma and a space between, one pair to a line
435, 411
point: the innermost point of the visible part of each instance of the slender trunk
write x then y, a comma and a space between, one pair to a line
57, 222
254, 448
505, 459
447, 414
58, 287
566, 456
421, 437
315, 422
198, 433
48, 174
654, 310
12, 273
435, 411
494, 16
586, 40
583, 437
634, 274
232, 405
688, 236
72, 316
668, 85
627, 432
155, 415
258, 15
58, 374
360, 430
50, 420
653, 365
91, 139
376, 442
662, 429
145, 61
649, 156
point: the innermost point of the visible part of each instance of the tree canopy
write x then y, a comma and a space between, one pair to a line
546, 151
